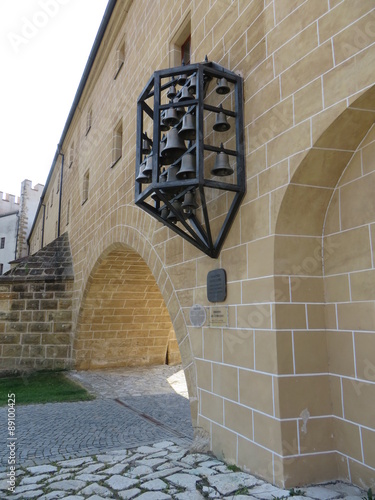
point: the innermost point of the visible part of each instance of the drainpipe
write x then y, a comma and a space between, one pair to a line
61, 189
44, 219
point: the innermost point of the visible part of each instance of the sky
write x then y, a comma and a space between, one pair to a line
44, 47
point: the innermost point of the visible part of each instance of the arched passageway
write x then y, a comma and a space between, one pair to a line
123, 318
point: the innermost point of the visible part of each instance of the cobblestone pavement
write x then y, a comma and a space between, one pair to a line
131, 442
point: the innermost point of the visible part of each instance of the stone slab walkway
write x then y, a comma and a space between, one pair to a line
159, 472
131, 442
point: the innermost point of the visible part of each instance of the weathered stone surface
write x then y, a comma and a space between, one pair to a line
229, 483
154, 485
96, 489
120, 483
68, 485
184, 480
321, 493
128, 494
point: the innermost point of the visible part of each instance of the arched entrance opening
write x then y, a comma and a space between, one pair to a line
123, 319
324, 250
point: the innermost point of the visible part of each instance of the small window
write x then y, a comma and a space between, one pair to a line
120, 59
117, 144
71, 154
58, 185
68, 213
89, 121
2, 243
85, 190
1, 268
51, 197
185, 51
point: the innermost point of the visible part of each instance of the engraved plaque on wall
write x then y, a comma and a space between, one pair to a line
217, 285
219, 316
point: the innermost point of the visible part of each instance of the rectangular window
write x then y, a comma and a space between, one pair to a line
88, 121
185, 51
2, 243
1, 268
51, 197
85, 189
71, 154
117, 144
68, 213
120, 58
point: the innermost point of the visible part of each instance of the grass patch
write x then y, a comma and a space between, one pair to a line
41, 387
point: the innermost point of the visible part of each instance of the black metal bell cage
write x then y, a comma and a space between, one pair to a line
190, 169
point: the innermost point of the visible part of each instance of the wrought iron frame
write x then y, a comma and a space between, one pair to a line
199, 236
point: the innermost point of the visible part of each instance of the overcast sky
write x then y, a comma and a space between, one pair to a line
44, 46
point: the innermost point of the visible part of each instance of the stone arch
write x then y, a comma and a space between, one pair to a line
133, 249
309, 249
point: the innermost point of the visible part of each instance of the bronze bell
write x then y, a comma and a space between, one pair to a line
174, 148
221, 124
184, 95
192, 84
163, 126
146, 145
164, 212
161, 147
171, 117
222, 86
189, 202
180, 110
222, 167
171, 94
188, 169
172, 173
187, 131
142, 178
172, 216
182, 79
148, 167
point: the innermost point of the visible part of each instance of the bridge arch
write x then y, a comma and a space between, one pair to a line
129, 313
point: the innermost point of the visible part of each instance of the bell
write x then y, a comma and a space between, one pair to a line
182, 79
148, 167
172, 173
187, 131
142, 178
222, 167
221, 124
174, 148
189, 202
184, 95
172, 217
164, 212
146, 145
161, 147
171, 117
187, 170
192, 84
171, 94
180, 110
222, 86
163, 126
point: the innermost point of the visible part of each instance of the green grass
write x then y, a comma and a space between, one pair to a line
41, 387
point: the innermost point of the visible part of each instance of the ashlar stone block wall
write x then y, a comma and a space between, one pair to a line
36, 311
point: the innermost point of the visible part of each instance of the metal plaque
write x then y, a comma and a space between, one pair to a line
217, 285
197, 315
219, 316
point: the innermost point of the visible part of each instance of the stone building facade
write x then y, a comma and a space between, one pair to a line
287, 388
16, 218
